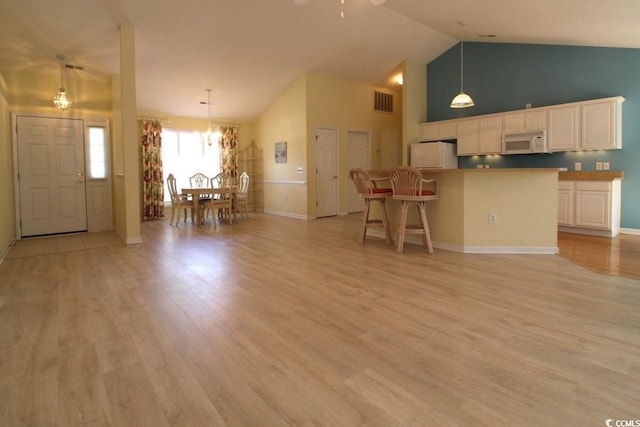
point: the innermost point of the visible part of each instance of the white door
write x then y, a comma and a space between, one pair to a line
326, 172
51, 175
358, 156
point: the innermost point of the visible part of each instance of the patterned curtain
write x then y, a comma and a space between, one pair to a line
152, 182
229, 151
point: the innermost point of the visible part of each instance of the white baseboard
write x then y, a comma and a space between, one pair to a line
530, 250
634, 231
127, 240
588, 231
287, 214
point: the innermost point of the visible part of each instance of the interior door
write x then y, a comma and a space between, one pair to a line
51, 175
326, 172
358, 156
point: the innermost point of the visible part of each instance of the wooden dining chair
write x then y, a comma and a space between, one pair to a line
368, 190
407, 185
242, 197
178, 201
222, 205
199, 180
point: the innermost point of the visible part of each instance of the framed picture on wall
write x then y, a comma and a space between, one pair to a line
281, 152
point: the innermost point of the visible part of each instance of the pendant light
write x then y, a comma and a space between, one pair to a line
61, 100
210, 136
462, 100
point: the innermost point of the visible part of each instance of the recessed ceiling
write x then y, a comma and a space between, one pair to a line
249, 51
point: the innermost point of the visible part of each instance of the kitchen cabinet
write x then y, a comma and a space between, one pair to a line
524, 120
589, 125
436, 131
566, 202
468, 137
562, 128
480, 136
601, 125
490, 135
584, 125
589, 207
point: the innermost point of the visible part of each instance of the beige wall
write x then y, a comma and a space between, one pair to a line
7, 206
32, 93
285, 191
525, 202
320, 101
414, 94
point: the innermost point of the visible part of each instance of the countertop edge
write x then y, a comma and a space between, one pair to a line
562, 175
591, 176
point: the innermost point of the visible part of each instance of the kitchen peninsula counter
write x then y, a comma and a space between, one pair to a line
591, 176
523, 201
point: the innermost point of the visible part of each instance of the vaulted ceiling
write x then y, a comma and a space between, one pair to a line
249, 51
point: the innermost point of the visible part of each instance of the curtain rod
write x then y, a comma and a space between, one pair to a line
159, 119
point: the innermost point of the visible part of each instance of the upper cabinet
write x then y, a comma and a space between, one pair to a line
523, 120
468, 137
491, 135
587, 125
481, 135
562, 129
602, 125
436, 131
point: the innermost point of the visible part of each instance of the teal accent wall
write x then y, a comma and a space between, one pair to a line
505, 77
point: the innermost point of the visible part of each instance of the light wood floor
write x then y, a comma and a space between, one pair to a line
274, 321
619, 256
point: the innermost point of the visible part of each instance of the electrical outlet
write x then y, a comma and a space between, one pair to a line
605, 166
598, 166
493, 218
577, 166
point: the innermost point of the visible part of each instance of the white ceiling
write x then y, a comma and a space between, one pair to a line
249, 51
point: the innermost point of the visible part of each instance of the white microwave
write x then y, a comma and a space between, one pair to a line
529, 142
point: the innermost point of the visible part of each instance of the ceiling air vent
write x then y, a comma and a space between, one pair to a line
382, 102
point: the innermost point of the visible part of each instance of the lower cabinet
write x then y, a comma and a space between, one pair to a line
589, 207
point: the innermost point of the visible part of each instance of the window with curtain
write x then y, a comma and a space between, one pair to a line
184, 154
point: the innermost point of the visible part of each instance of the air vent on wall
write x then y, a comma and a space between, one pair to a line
382, 102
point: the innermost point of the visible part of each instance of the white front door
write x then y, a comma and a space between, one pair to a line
358, 156
51, 175
326, 172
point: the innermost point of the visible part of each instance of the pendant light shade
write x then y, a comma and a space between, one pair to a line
61, 100
462, 100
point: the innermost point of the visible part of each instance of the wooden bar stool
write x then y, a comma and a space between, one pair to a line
368, 189
407, 182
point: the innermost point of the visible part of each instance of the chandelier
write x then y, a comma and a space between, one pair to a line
374, 2
61, 100
211, 136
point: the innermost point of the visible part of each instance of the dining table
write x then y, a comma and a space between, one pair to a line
197, 192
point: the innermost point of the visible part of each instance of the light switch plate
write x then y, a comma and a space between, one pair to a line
577, 166
598, 166
605, 166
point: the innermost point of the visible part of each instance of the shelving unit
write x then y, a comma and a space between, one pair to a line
250, 161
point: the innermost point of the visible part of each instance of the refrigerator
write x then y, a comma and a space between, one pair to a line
431, 155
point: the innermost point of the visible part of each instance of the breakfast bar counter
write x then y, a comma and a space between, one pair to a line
523, 203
